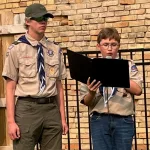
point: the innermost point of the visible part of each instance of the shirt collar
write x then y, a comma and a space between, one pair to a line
34, 42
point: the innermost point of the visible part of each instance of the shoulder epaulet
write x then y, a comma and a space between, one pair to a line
55, 43
13, 44
16, 42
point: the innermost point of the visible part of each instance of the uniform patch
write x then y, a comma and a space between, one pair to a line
134, 68
7, 54
11, 46
52, 71
50, 52
55, 43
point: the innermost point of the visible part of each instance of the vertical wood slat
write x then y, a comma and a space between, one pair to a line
2, 127
1, 68
5, 42
6, 18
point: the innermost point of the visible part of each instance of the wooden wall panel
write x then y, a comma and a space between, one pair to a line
5, 42
1, 67
4, 139
7, 18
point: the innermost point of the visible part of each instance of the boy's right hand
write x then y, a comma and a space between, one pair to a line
93, 86
13, 131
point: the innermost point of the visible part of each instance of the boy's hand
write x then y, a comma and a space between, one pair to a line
13, 131
93, 86
64, 127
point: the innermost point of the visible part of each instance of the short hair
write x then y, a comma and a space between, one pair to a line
110, 33
25, 25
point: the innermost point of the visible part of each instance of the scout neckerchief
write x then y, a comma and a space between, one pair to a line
105, 93
40, 62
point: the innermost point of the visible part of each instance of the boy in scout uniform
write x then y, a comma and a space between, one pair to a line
33, 71
112, 125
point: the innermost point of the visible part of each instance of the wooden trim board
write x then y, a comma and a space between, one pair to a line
2, 103
6, 148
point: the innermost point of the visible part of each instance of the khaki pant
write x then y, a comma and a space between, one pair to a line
38, 123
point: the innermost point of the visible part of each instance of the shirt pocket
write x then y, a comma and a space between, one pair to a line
52, 68
27, 68
120, 92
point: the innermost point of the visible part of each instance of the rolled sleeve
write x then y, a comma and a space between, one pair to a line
83, 92
135, 75
62, 68
10, 66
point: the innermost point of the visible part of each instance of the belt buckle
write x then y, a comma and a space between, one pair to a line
41, 101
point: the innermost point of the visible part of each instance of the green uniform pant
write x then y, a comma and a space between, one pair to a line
38, 123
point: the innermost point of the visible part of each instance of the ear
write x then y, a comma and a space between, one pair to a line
27, 21
98, 46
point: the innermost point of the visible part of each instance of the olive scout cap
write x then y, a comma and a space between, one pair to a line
37, 10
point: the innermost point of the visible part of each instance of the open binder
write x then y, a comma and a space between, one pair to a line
111, 72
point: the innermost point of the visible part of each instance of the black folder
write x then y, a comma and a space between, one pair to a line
111, 72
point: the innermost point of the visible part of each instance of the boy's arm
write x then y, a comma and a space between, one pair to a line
135, 80
61, 105
88, 98
13, 129
134, 89
89, 92
10, 100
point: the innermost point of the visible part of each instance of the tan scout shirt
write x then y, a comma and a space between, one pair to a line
21, 66
121, 103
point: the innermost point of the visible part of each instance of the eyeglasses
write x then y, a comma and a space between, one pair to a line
112, 45
40, 19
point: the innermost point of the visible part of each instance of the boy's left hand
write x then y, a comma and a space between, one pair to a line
64, 128
93, 86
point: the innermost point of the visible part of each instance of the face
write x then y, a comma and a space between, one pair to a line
108, 47
37, 25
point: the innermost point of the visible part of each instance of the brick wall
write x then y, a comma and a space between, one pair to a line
75, 26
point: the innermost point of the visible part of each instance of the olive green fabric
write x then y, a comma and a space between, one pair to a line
38, 123
37, 10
